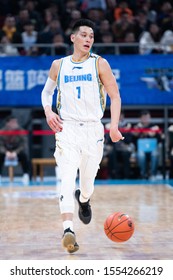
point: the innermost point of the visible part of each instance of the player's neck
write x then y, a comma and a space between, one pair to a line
79, 57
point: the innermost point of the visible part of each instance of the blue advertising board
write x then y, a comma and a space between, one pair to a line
142, 80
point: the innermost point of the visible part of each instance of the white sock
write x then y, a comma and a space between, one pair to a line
82, 198
68, 224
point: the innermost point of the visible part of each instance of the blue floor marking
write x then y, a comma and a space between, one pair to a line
52, 182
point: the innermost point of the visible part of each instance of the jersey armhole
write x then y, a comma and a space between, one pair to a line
58, 74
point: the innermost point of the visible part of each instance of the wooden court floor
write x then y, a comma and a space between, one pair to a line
31, 228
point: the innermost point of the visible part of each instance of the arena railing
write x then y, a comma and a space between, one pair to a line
31, 133
51, 49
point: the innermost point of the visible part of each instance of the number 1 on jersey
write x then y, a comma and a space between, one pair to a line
78, 92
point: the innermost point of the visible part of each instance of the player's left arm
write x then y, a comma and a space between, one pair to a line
52, 118
111, 87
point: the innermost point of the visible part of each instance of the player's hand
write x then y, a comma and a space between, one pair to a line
115, 134
54, 121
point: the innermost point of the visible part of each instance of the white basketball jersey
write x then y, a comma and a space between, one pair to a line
81, 95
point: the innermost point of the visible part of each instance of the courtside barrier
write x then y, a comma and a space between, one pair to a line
38, 161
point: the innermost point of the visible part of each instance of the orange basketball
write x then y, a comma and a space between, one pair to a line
119, 227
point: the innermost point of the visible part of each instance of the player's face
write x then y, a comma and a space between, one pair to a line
83, 39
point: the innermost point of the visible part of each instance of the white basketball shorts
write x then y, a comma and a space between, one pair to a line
78, 146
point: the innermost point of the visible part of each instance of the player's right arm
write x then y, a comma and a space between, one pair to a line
53, 120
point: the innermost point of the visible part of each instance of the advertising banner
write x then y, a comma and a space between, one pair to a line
142, 80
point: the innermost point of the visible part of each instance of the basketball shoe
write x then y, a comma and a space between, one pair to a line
84, 212
69, 241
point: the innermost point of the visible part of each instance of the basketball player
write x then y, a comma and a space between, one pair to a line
82, 80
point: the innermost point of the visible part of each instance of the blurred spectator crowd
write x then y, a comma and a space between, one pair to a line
143, 153
146, 25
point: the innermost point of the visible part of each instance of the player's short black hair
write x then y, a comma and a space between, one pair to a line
83, 22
